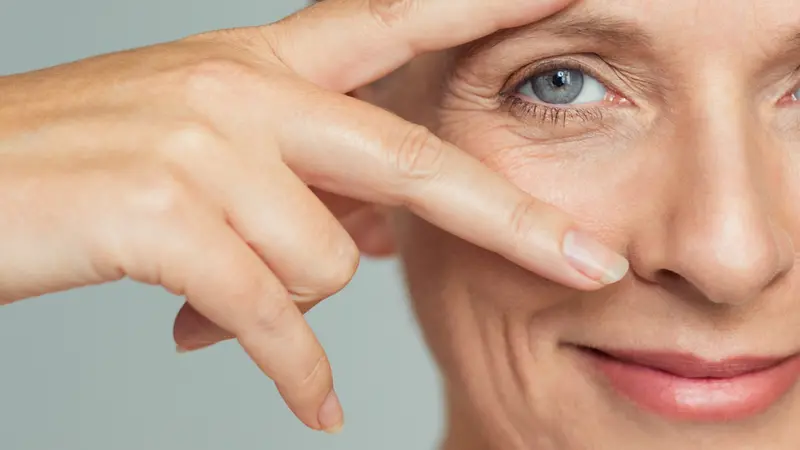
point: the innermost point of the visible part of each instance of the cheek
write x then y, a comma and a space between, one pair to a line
457, 289
445, 272
610, 183
614, 188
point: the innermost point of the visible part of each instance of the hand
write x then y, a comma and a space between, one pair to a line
217, 166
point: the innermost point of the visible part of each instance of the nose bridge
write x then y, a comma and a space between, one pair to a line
724, 239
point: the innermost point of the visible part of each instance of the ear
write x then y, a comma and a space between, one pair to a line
371, 231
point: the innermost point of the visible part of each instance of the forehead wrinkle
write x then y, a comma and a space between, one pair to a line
595, 28
607, 29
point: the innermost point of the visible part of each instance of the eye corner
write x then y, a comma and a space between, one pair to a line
789, 99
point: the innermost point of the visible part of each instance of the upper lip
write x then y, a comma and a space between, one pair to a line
691, 366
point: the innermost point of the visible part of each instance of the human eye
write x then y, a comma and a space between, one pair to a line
563, 86
560, 91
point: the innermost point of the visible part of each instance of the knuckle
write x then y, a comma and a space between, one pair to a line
188, 139
158, 192
219, 79
270, 37
271, 317
390, 12
419, 155
341, 270
317, 375
312, 381
524, 220
164, 184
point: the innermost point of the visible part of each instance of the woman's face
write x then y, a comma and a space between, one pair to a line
671, 130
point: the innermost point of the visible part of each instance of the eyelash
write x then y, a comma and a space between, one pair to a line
512, 103
554, 115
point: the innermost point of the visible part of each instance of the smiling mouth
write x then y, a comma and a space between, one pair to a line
686, 387
690, 366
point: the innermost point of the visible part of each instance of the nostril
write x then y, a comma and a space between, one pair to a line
665, 276
678, 284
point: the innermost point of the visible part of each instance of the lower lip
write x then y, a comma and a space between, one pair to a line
698, 399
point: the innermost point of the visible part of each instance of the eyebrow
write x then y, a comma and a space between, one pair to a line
600, 29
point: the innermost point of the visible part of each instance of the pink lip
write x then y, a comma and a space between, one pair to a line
686, 387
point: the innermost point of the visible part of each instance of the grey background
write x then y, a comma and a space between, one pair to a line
96, 368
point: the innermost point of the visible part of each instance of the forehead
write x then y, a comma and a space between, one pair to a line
707, 24
747, 36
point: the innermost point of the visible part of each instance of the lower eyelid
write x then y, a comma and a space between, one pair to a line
611, 99
527, 111
538, 124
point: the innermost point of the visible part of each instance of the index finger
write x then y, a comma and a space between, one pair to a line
343, 44
372, 155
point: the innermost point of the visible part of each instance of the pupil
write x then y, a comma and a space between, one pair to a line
560, 78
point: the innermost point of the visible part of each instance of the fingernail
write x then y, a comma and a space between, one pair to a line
194, 348
331, 417
593, 259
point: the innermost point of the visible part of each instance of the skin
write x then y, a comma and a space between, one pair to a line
234, 169
693, 177
689, 174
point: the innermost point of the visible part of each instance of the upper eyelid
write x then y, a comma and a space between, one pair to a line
518, 78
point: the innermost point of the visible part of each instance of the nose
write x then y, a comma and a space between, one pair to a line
722, 236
